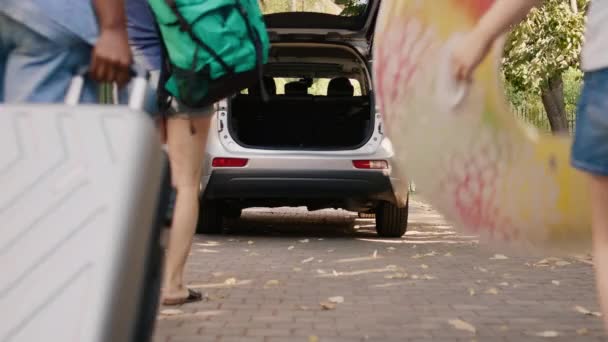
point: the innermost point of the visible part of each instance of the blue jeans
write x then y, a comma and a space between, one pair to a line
590, 148
39, 68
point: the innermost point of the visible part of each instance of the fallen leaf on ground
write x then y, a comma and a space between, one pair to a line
391, 248
499, 257
504, 283
503, 328
462, 325
320, 261
336, 299
253, 254
335, 273
492, 290
391, 267
303, 307
205, 250
331, 250
327, 305
217, 274
396, 276
308, 260
416, 256
304, 241
555, 282
548, 333
290, 248
587, 312
428, 277
547, 261
562, 263
448, 254
471, 292
423, 266
582, 331
432, 253
313, 338
246, 250
250, 242
481, 269
271, 283
320, 239
375, 255
297, 269
415, 276
320, 271
171, 312
230, 281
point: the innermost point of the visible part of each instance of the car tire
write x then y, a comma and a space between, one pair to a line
232, 213
210, 219
391, 221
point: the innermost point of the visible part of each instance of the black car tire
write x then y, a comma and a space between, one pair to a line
210, 219
391, 221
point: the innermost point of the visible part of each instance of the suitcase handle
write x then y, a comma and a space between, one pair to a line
137, 97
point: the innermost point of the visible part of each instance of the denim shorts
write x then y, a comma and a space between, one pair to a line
590, 148
176, 108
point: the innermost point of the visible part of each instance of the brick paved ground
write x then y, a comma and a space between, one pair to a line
264, 281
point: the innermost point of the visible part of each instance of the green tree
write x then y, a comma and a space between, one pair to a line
541, 49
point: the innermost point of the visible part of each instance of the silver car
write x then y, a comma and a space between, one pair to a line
319, 141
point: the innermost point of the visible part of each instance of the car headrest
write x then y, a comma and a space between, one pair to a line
296, 88
340, 86
271, 87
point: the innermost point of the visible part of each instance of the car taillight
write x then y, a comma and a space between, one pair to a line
229, 162
370, 164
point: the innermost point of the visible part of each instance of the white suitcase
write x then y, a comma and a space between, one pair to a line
80, 254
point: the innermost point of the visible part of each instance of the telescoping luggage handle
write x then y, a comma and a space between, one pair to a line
137, 93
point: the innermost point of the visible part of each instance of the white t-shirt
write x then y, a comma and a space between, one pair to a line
595, 49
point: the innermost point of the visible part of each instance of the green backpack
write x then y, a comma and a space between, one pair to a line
215, 48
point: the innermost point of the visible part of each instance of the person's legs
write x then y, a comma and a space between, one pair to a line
186, 141
599, 222
39, 69
590, 154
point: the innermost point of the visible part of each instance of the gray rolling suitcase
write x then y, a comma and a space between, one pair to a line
80, 197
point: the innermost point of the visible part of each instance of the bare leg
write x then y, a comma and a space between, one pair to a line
186, 152
599, 221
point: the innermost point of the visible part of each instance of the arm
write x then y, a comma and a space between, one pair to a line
476, 45
111, 58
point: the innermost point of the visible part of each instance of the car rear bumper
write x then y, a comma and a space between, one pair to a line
322, 184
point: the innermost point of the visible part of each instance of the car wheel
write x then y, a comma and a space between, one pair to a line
232, 212
391, 221
210, 218
367, 215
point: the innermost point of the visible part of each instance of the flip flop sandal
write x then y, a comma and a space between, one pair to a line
193, 296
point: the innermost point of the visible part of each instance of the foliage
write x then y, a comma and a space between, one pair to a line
546, 44
352, 8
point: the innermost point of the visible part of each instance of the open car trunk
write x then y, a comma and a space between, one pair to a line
301, 122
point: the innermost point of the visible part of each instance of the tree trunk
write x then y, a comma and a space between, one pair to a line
553, 100
574, 6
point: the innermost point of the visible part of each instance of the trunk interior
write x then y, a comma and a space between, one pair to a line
301, 122
319, 99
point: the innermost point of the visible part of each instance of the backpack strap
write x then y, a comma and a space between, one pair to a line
186, 27
255, 38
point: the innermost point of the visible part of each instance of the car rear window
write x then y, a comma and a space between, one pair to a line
344, 8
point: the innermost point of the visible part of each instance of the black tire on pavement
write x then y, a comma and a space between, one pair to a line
391, 221
210, 219
232, 213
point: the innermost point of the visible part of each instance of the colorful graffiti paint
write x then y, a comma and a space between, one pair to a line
484, 170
